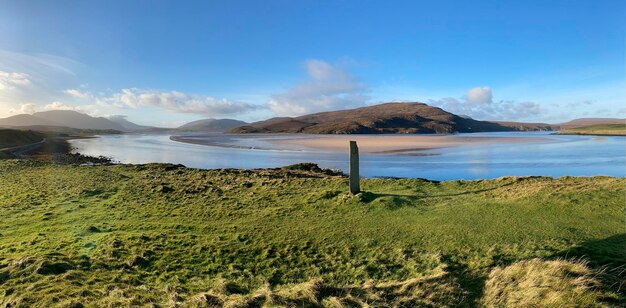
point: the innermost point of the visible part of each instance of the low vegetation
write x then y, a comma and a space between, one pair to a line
12, 138
166, 235
598, 129
538, 283
47, 146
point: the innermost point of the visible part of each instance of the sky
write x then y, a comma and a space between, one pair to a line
165, 63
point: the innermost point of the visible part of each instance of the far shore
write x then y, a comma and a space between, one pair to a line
371, 144
583, 133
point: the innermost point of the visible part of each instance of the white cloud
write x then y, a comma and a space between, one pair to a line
328, 88
479, 95
177, 102
77, 93
478, 103
29, 108
60, 106
9, 80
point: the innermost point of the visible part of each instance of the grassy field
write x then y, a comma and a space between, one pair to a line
599, 129
165, 235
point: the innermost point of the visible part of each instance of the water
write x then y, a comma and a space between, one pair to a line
562, 156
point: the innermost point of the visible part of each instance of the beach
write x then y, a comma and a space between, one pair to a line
386, 144
371, 144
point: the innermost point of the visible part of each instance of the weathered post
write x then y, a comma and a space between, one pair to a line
355, 187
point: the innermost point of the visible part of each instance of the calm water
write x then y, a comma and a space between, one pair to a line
565, 155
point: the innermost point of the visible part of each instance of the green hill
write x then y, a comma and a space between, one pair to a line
388, 118
13, 138
166, 235
597, 129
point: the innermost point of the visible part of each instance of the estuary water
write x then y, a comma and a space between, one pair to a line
549, 155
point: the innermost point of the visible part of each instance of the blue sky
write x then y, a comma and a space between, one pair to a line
169, 62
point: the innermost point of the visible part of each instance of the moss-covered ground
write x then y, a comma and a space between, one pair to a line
166, 235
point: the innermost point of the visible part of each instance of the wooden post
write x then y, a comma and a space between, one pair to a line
355, 187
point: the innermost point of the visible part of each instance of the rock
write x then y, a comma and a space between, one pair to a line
164, 189
54, 268
138, 261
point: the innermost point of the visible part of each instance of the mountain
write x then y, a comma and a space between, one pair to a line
590, 121
212, 125
65, 118
128, 125
384, 118
26, 120
75, 120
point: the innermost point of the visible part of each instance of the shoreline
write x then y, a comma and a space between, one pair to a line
620, 134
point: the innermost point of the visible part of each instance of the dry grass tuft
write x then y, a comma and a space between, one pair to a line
540, 283
438, 290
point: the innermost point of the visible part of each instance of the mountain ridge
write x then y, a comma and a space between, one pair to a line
64, 118
211, 125
396, 117
405, 117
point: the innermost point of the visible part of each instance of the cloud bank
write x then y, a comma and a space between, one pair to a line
178, 102
36, 85
328, 87
9, 80
478, 103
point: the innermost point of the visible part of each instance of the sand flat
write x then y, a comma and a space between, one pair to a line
395, 143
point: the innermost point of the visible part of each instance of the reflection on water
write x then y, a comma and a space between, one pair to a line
566, 155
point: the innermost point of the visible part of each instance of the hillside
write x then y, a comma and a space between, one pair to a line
165, 235
26, 120
590, 121
384, 118
521, 126
597, 129
13, 138
62, 130
211, 125
128, 125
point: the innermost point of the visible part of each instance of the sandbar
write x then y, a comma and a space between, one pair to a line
396, 144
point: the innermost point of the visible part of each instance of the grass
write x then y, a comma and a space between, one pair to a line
599, 129
538, 283
167, 235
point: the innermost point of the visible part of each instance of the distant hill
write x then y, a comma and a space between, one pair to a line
521, 126
212, 125
128, 125
612, 129
62, 120
378, 119
65, 131
26, 120
590, 121
65, 118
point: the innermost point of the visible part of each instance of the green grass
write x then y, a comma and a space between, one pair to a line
599, 129
169, 235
